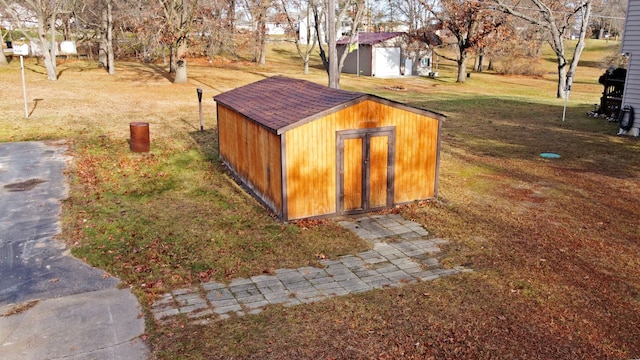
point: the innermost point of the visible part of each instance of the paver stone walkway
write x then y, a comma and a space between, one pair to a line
402, 253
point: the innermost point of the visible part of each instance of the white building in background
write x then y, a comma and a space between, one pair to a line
308, 23
386, 54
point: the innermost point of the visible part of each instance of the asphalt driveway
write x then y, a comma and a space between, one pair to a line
75, 311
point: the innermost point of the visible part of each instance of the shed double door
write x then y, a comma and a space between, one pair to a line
365, 160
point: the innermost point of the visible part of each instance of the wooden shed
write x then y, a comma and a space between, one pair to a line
306, 150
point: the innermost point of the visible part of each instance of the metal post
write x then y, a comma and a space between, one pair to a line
24, 88
564, 111
566, 95
200, 107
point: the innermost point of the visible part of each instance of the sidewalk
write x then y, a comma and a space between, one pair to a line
402, 254
103, 324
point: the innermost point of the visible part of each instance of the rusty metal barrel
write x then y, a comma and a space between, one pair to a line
139, 141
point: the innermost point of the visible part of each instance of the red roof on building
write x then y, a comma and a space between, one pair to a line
371, 38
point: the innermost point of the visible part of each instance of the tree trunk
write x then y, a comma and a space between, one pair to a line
111, 69
103, 59
309, 39
323, 55
354, 38
172, 59
262, 35
211, 48
480, 60
462, 68
49, 55
164, 55
181, 49
181, 63
562, 80
181, 72
557, 44
556, 32
334, 75
586, 14
3, 59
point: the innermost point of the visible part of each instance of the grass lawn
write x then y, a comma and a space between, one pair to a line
553, 243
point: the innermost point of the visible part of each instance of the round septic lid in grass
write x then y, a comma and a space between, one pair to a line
548, 155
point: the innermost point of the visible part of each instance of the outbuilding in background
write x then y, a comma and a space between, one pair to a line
306, 150
385, 54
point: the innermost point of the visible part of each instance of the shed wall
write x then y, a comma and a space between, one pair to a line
252, 152
351, 61
631, 45
311, 156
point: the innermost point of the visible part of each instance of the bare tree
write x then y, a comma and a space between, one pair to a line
610, 17
471, 24
178, 16
3, 58
262, 6
301, 8
357, 15
217, 26
45, 14
348, 9
332, 70
257, 11
106, 42
558, 18
413, 13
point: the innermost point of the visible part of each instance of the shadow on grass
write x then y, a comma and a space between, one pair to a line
207, 142
35, 105
146, 72
283, 53
513, 129
593, 64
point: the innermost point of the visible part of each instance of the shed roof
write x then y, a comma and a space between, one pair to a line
280, 103
371, 38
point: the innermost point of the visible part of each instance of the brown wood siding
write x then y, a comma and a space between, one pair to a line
310, 173
253, 153
311, 156
416, 148
353, 174
378, 171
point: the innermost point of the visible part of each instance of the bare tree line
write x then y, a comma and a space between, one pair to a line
151, 30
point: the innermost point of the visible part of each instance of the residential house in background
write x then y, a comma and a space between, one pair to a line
631, 47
